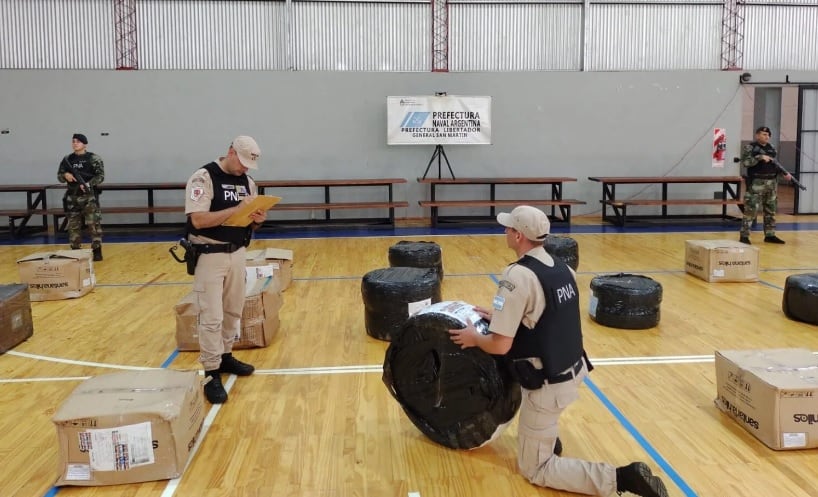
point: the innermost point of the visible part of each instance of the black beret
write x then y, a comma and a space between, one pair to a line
80, 138
765, 129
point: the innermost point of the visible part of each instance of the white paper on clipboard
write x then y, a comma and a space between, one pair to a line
242, 217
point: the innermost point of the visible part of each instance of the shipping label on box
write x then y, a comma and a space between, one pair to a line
721, 260
61, 274
259, 318
15, 316
129, 427
278, 262
771, 393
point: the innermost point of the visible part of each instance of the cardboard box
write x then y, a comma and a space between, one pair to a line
61, 274
15, 316
279, 262
721, 260
129, 427
259, 320
772, 393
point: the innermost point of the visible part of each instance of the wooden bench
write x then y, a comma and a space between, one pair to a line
553, 198
730, 191
325, 185
35, 199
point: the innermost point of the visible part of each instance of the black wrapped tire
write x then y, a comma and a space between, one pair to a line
800, 301
389, 295
417, 254
627, 301
458, 398
563, 247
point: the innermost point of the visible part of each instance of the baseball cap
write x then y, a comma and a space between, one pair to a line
247, 150
530, 221
765, 129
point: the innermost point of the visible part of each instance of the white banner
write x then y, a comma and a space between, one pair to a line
438, 120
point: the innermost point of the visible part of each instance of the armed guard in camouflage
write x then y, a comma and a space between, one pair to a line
83, 172
762, 185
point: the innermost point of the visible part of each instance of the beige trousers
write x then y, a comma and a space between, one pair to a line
219, 286
538, 429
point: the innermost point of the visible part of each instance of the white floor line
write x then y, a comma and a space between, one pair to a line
170, 488
414, 494
77, 363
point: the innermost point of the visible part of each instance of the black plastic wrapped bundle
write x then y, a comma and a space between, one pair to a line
388, 294
801, 298
459, 398
417, 254
564, 247
628, 301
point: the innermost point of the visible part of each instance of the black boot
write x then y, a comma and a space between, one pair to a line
96, 247
637, 478
234, 366
773, 239
213, 389
558, 447
745, 239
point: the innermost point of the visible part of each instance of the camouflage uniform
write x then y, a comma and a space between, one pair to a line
761, 190
83, 207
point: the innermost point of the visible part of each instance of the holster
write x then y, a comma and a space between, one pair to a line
526, 374
191, 256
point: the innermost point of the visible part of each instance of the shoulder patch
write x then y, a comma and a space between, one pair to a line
196, 193
498, 303
507, 285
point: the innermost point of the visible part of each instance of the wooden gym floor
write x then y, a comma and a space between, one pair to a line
317, 421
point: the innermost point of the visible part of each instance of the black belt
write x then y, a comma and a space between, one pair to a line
216, 248
569, 375
765, 177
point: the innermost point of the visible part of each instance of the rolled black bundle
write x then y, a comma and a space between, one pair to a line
390, 295
459, 398
564, 247
417, 254
628, 301
800, 301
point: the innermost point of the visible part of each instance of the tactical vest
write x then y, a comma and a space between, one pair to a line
82, 166
762, 170
228, 190
557, 337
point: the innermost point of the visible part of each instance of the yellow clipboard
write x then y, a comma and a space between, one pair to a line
242, 217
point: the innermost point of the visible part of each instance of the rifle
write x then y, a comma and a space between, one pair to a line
784, 171
781, 169
78, 177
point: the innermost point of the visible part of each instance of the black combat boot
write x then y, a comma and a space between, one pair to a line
97, 249
213, 389
745, 239
773, 239
558, 447
234, 366
637, 478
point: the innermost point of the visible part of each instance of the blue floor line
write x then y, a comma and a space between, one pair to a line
170, 359
641, 440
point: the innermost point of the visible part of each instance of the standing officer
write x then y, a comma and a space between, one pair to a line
83, 171
535, 323
762, 185
215, 192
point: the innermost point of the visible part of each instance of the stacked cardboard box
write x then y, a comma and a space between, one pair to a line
259, 320
15, 316
129, 427
721, 260
56, 275
772, 394
271, 261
